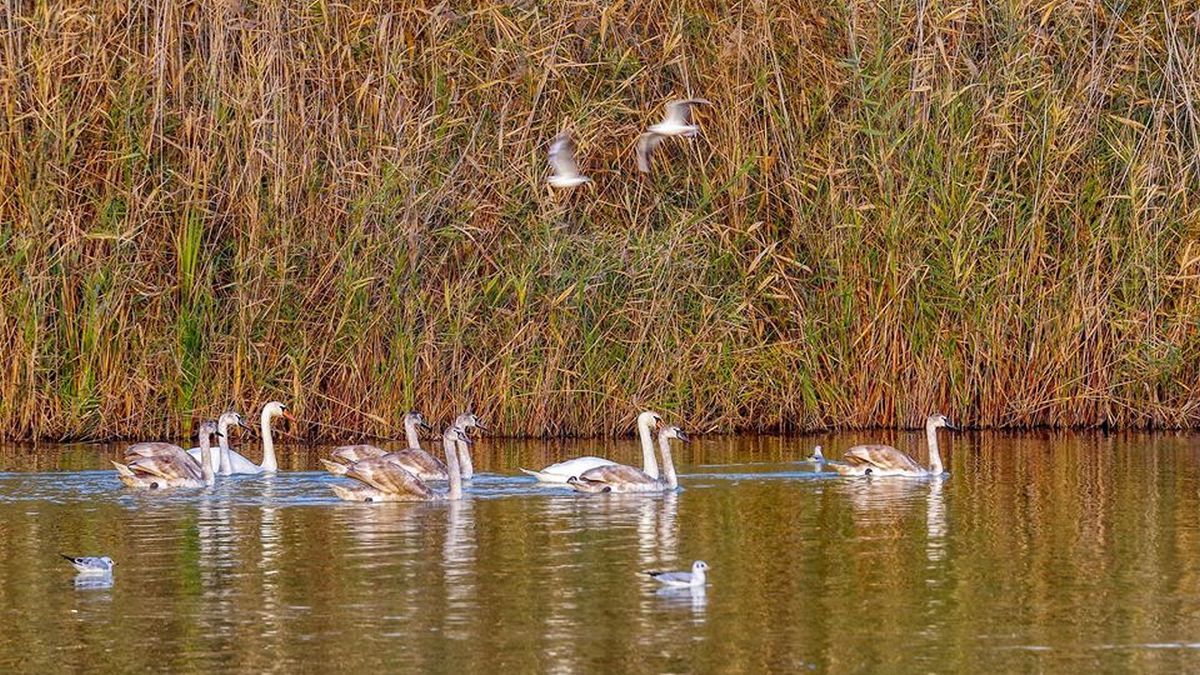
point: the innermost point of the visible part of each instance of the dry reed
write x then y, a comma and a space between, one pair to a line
979, 207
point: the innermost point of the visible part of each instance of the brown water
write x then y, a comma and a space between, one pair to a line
1037, 553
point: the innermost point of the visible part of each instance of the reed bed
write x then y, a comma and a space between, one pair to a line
987, 208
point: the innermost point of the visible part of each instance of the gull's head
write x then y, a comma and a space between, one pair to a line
937, 420
699, 566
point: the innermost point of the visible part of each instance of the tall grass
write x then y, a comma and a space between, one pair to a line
987, 208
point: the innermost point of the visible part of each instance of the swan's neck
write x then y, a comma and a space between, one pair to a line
464, 459
223, 442
206, 469
935, 457
664, 446
649, 465
448, 444
410, 433
268, 443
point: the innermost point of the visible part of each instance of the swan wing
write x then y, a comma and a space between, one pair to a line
151, 450
348, 454
577, 466
387, 476
175, 466
616, 474
419, 463
881, 457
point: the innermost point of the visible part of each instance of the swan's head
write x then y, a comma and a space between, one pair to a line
939, 420
699, 566
208, 430
456, 433
673, 432
417, 419
276, 409
649, 420
468, 421
230, 419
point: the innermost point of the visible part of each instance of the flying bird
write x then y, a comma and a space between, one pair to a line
562, 161
676, 122
92, 566
692, 579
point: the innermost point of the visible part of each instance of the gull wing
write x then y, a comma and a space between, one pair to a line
646, 143
562, 156
679, 111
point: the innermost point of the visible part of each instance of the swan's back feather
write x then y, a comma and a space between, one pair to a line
348, 454
390, 477
616, 474
881, 457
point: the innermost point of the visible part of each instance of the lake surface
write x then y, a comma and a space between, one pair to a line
1040, 552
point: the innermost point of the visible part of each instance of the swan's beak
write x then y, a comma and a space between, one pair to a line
950, 425
479, 424
219, 434
287, 414
424, 425
683, 437
245, 426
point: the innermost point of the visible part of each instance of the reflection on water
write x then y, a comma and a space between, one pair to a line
1038, 552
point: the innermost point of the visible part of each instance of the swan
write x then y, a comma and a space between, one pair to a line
412, 459
223, 460
465, 422
884, 460
563, 472
621, 478
413, 421
382, 480
238, 462
161, 465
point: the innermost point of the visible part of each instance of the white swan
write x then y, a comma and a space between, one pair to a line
562, 472
621, 478
223, 460
240, 464
381, 480
884, 460
163, 465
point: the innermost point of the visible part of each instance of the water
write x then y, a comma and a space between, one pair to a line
1039, 552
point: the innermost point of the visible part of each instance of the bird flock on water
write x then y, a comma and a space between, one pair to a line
413, 474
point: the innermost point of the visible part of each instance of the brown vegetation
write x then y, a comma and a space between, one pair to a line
986, 208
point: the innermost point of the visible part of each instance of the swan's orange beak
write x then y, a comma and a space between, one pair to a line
287, 414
